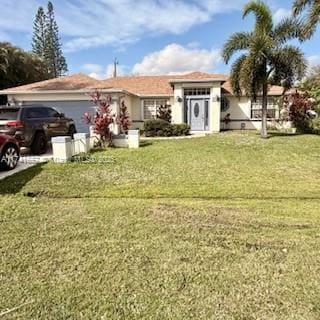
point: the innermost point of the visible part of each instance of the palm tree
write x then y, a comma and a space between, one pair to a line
312, 18
266, 59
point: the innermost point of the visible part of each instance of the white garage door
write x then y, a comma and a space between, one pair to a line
72, 109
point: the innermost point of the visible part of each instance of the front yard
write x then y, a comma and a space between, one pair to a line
221, 227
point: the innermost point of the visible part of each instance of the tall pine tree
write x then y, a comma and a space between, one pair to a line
39, 28
46, 42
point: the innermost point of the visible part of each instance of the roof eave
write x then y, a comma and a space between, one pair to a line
81, 91
197, 80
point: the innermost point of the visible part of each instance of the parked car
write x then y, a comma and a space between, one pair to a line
34, 125
9, 152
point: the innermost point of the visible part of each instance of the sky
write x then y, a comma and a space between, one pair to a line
148, 37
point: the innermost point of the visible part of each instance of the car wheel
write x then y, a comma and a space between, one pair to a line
9, 157
72, 131
39, 145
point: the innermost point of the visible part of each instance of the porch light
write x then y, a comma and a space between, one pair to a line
216, 99
178, 99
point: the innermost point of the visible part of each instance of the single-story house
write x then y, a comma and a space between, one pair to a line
199, 99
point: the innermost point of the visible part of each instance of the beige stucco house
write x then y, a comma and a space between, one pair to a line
199, 99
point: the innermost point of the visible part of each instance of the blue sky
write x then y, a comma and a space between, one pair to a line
147, 36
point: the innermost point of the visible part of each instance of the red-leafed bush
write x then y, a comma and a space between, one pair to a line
103, 117
299, 108
124, 118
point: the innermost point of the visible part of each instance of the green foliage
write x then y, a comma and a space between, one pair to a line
315, 125
18, 67
266, 58
39, 34
311, 85
311, 21
46, 42
162, 128
164, 113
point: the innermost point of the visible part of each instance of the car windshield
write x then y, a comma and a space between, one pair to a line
9, 114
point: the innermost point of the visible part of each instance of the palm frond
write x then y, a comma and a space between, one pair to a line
237, 42
287, 29
262, 13
299, 6
235, 75
288, 63
311, 23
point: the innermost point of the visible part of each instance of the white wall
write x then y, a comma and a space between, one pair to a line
240, 113
177, 107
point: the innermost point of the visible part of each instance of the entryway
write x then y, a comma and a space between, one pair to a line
196, 112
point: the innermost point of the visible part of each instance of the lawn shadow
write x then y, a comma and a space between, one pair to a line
145, 143
14, 183
275, 134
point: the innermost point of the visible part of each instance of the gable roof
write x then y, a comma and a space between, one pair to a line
137, 85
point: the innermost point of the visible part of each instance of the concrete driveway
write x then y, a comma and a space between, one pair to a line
27, 160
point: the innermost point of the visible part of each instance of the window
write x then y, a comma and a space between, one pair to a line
33, 113
197, 92
8, 114
51, 113
256, 108
206, 113
151, 107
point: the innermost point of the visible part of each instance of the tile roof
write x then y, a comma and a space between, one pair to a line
146, 85
74, 82
273, 90
138, 85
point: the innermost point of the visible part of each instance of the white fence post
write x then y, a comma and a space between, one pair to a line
81, 143
62, 149
133, 138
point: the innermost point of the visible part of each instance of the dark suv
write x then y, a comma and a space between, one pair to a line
34, 125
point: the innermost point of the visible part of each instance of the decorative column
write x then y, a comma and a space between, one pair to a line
215, 107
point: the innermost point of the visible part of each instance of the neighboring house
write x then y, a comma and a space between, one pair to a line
199, 99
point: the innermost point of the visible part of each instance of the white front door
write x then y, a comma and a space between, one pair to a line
197, 115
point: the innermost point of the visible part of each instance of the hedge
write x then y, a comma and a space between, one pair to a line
162, 128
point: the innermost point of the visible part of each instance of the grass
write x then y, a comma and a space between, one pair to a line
222, 227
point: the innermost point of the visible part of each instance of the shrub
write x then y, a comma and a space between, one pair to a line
162, 128
151, 127
315, 124
164, 113
124, 118
180, 129
102, 118
297, 108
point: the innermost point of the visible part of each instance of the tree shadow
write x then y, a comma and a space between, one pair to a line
283, 134
14, 183
145, 143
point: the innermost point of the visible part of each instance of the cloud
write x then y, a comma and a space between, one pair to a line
281, 14
175, 58
100, 72
313, 61
86, 24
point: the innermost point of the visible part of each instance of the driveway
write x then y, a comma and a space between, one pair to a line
27, 160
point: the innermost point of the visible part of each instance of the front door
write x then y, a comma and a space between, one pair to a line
197, 121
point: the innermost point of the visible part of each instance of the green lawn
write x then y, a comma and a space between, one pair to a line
221, 227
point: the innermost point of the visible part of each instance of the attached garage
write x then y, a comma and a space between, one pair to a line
72, 109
